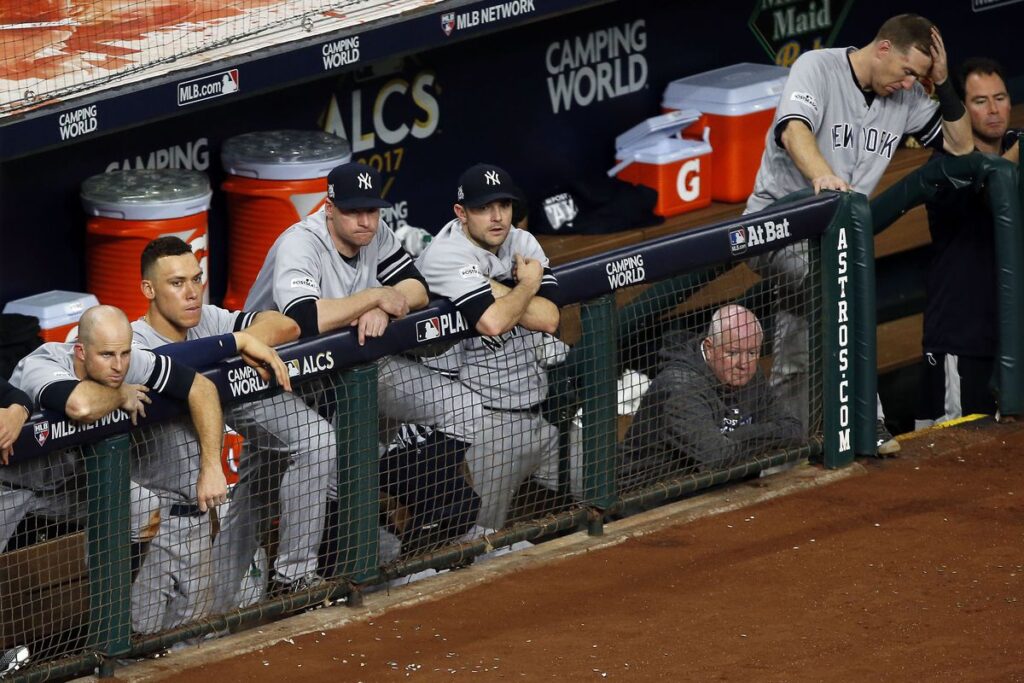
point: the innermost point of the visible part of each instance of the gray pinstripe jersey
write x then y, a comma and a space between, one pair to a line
504, 371
856, 140
304, 265
213, 321
53, 362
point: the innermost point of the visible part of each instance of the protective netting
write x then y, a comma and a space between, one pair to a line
361, 473
718, 368
50, 49
44, 582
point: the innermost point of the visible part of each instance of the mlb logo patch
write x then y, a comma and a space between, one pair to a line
428, 329
41, 430
448, 23
738, 240
294, 369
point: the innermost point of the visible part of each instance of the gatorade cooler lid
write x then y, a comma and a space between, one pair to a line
731, 90
284, 154
54, 308
146, 194
654, 129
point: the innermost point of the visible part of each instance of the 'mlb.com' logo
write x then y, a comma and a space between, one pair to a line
738, 240
208, 87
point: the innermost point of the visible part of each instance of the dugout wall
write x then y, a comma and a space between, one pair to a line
341, 384
407, 103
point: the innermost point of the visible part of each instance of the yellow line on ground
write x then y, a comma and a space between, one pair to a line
942, 425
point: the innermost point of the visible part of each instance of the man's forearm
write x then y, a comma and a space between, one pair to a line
332, 314
414, 292
91, 400
204, 408
957, 136
273, 328
540, 315
803, 150
507, 312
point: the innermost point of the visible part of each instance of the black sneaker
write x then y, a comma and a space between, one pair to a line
886, 445
303, 583
13, 659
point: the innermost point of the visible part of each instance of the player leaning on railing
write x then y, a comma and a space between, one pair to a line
91, 378
841, 115
499, 279
280, 431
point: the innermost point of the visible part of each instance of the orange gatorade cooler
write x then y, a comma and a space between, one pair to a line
738, 103
653, 154
275, 179
129, 209
57, 311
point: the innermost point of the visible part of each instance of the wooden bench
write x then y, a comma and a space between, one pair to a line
45, 594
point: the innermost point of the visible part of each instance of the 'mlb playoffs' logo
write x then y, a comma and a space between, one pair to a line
440, 326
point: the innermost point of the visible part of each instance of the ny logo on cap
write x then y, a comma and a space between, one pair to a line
462, 195
364, 181
492, 178
330, 190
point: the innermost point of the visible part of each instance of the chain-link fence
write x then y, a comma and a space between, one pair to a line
377, 467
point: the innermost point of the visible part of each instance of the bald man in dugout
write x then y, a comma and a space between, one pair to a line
710, 405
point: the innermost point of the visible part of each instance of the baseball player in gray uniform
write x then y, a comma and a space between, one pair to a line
342, 267
96, 376
498, 277
281, 428
840, 118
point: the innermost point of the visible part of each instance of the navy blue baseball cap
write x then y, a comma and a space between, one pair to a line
355, 186
485, 183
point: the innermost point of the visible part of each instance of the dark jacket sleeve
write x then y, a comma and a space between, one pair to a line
694, 418
11, 395
774, 425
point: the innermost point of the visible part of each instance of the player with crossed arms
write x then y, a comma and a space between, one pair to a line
498, 278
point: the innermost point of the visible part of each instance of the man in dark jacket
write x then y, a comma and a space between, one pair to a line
709, 407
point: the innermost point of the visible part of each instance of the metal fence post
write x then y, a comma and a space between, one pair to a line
598, 349
109, 545
358, 478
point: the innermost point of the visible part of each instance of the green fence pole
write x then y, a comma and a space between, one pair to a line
598, 348
1009, 227
838, 302
109, 545
358, 478
1005, 192
863, 331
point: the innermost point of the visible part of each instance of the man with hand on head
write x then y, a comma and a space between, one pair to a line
709, 407
840, 118
280, 428
93, 377
499, 279
961, 316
